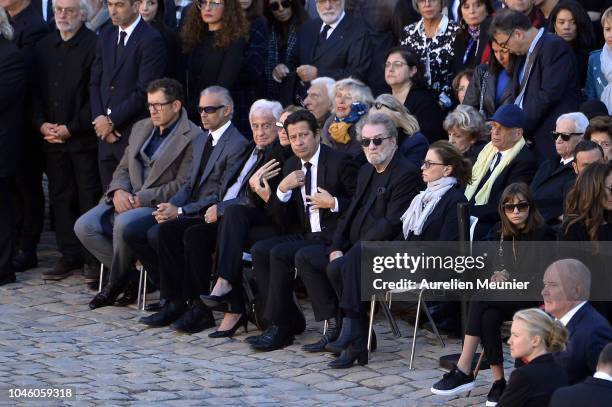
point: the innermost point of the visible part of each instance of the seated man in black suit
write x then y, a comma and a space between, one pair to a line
595, 391
503, 161
189, 208
385, 188
546, 78
567, 286
314, 192
553, 175
585, 153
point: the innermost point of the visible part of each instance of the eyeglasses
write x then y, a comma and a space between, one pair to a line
325, 1
564, 136
70, 11
427, 164
203, 4
157, 107
279, 126
380, 105
365, 142
275, 6
504, 45
394, 64
209, 109
521, 206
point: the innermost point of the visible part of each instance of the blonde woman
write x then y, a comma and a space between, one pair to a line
411, 142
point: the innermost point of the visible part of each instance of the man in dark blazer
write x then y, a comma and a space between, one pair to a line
129, 55
504, 162
62, 115
566, 293
221, 148
546, 77
334, 45
595, 391
46, 11
154, 166
12, 95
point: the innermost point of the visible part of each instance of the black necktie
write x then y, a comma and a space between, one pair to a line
323, 34
120, 46
307, 192
496, 161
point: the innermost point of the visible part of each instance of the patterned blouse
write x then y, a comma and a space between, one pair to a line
436, 54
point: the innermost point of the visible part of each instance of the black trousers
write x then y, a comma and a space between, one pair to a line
74, 188
485, 319
345, 275
184, 248
311, 263
6, 228
28, 199
274, 266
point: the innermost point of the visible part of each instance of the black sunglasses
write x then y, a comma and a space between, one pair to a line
564, 136
380, 105
521, 206
209, 109
365, 142
277, 5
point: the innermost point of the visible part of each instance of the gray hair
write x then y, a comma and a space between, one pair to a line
224, 94
6, 29
581, 122
377, 118
327, 82
397, 112
85, 10
266, 107
359, 91
443, 4
574, 273
466, 119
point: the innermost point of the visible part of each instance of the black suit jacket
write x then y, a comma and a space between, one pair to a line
384, 206
423, 104
336, 173
122, 87
588, 332
443, 222
552, 89
533, 384
12, 94
37, 5
592, 392
347, 51
548, 187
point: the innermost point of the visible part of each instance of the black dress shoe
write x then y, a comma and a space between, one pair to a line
8, 279
251, 340
130, 294
24, 260
275, 337
170, 312
355, 352
319, 346
196, 319
351, 328
153, 307
242, 321
106, 297
212, 301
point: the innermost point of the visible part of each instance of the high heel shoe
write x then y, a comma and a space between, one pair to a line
213, 301
349, 331
243, 320
357, 351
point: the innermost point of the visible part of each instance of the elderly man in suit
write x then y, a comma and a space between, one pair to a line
546, 78
154, 166
192, 206
129, 55
504, 160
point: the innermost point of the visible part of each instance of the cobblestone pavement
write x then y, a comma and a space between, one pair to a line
50, 339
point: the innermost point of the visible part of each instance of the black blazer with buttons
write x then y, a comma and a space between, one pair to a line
548, 187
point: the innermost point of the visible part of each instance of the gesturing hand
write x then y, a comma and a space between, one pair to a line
321, 200
293, 180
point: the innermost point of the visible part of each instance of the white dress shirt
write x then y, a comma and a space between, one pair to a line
128, 30
565, 319
602, 375
216, 134
332, 26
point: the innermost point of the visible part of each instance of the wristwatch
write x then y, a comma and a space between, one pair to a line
179, 212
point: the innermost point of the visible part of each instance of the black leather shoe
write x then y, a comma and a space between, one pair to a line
251, 340
170, 312
355, 352
196, 319
242, 321
212, 301
8, 279
275, 337
329, 336
24, 260
351, 328
106, 297
130, 294
153, 307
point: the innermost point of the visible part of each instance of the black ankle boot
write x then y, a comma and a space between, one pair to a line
351, 328
356, 351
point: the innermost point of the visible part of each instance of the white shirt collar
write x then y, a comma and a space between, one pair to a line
216, 134
567, 160
128, 30
602, 375
441, 27
314, 160
334, 25
565, 319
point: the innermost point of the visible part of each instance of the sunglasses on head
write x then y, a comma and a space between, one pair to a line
564, 136
521, 206
365, 142
209, 109
380, 105
277, 5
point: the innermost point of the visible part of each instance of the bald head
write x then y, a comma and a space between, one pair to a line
567, 283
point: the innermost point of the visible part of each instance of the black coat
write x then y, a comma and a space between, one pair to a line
551, 90
475, 149
383, 208
423, 104
475, 55
592, 392
12, 95
62, 72
533, 384
548, 188
29, 27
336, 174
484, 85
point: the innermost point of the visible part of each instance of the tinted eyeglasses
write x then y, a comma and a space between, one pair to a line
277, 5
564, 136
427, 164
209, 109
379, 105
202, 4
521, 206
365, 142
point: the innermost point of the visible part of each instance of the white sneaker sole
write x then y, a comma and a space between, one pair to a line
491, 403
456, 390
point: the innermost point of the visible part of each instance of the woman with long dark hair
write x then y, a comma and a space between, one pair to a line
473, 38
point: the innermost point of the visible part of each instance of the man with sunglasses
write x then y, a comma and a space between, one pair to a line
546, 78
549, 181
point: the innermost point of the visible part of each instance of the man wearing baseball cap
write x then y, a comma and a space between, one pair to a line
506, 159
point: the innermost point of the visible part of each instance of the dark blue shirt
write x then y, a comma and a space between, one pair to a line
157, 138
